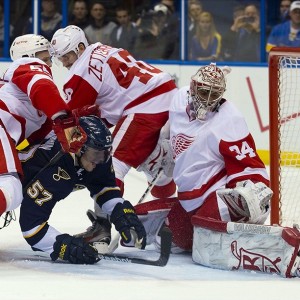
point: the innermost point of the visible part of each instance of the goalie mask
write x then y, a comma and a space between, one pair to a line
28, 45
68, 39
206, 90
97, 148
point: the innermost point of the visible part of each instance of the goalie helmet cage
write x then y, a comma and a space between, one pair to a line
284, 112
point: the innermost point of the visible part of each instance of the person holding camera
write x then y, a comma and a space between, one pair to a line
243, 39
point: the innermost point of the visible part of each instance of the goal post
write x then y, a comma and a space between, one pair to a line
284, 112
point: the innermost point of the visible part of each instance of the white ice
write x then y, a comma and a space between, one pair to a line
25, 274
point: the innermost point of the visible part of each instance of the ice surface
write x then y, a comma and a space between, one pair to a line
31, 275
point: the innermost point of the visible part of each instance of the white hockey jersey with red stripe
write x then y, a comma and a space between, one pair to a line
28, 97
211, 154
120, 85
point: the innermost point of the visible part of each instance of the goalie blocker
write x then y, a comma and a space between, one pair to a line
243, 246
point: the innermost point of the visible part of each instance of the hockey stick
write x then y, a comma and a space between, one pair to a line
115, 241
150, 186
165, 250
52, 161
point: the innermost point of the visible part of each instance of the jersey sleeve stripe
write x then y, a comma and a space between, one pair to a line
163, 88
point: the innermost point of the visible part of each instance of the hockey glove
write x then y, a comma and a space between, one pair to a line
128, 224
74, 250
161, 157
249, 200
87, 110
69, 133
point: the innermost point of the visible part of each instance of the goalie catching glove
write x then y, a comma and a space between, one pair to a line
128, 224
248, 199
68, 131
74, 250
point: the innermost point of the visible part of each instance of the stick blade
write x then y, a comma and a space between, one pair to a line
165, 249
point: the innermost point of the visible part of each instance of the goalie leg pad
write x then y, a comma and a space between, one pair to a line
153, 214
240, 246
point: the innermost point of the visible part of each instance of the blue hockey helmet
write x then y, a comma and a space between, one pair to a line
99, 139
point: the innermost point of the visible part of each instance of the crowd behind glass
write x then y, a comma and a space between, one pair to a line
213, 30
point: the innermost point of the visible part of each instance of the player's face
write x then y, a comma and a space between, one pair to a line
92, 157
68, 59
45, 57
208, 95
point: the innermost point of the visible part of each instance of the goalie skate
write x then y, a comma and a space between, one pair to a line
99, 233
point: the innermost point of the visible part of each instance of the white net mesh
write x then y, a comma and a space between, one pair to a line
289, 139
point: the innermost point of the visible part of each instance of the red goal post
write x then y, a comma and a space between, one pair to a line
284, 111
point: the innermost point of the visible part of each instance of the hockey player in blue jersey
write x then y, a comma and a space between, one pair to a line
91, 168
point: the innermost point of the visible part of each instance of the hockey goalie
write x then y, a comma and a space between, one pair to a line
223, 194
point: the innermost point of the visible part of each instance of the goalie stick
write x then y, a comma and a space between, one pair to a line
115, 241
166, 241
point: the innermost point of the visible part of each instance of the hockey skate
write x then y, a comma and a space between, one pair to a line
99, 233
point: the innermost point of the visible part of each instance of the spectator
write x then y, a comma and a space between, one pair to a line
195, 9
79, 14
229, 38
51, 20
287, 34
169, 29
157, 36
124, 36
100, 27
148, 43
21, 17
11, 28
246, 35
284, 10
206, 43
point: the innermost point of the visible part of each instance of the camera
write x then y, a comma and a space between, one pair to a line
249, 19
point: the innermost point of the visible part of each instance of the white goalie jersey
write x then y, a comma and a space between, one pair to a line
211, 154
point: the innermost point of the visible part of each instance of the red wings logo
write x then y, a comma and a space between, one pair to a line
180, 143
248, 260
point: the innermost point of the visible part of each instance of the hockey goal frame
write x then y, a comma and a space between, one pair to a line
274, 137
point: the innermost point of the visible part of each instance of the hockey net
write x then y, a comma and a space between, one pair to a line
284, 105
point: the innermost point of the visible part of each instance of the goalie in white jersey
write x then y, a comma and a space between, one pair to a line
30, 106
222, 184
133, 96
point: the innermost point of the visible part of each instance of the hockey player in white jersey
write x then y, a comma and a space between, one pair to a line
30, 105
133, 96
223, 194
